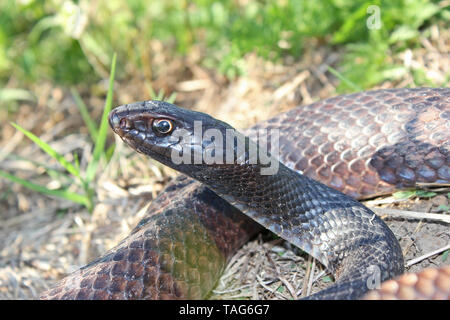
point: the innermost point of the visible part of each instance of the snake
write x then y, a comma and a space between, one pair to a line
298, 174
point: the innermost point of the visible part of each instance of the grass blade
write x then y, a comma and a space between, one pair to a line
172, 97
54, 173
347, 81
85, 114
49, 150
103, 131
16, 94
71, 196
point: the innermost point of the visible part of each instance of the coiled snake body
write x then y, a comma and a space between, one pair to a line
360, 144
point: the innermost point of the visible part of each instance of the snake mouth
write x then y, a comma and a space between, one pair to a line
114, 121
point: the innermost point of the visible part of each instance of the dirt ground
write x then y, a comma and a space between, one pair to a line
42, 239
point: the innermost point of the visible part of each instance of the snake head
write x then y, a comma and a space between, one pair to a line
167, 133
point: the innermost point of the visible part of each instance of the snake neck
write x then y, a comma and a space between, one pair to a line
319, 220
332, 227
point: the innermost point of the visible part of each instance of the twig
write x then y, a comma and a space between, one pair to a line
305, 279
291, 85
261, 282
237, 289
387, 200
193, 85
311, 277
289, 287
320, 275
411, 238
11, 145
413, 214
432, 185
425, 256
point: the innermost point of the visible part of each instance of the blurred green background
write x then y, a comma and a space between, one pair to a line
72, 42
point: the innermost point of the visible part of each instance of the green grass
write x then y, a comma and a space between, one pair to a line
75, 178
406, 194
79, 179
59, 41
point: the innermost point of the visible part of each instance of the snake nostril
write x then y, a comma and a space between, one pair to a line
113, 119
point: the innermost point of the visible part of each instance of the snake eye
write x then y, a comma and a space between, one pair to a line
162, 126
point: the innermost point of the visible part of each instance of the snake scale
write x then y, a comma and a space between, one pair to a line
356, 145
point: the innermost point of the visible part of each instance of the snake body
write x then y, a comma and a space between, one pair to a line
360, 144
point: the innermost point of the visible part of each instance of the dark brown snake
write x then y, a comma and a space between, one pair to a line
360, 144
